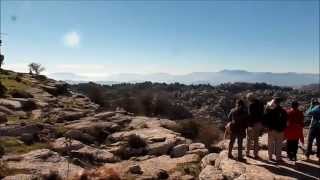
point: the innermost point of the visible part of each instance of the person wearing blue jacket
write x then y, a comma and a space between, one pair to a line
314, 132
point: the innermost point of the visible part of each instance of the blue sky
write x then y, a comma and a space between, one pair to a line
98, 38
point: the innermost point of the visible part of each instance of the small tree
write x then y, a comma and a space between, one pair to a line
36, 68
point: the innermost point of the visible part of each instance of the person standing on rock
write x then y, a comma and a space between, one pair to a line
294, 130
256, 110
314, 132
276, 122
238, 124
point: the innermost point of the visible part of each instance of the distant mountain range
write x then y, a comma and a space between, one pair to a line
214, 78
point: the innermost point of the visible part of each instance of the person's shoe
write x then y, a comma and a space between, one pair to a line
248, 154
294, 158
279, 161
307, 157
241, 159
257, 157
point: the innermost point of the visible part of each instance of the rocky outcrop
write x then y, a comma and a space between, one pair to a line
63, 145
94, 155
17, 130
219, 166
42, 162
118, 144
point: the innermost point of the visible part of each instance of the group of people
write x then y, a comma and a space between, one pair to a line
249, 121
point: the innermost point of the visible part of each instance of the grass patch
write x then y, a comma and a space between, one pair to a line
204, 131
14, 82
60, 130
13, 145
189, 168
12, 119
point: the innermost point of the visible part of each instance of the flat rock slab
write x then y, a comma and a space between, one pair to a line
42, 161
151, 167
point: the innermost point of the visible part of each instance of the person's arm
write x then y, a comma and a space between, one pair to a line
301, 118
311, 111
230, 116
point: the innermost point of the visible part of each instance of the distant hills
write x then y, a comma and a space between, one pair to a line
214, 78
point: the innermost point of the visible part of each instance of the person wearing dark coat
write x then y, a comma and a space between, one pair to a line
276, 121
238, 124
255, 110
314, 131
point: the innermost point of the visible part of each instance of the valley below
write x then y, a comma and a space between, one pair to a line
53, 130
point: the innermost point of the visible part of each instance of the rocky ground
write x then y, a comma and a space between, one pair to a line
49, 132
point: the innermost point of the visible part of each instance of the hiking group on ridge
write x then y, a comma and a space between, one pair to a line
249, 121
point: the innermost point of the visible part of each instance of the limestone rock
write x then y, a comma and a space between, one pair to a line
6, 110
43, 161
80, 136
209, 159
17, 130
21, 177
94, 155
135, 169
210, 173
179, 150
194, 146
11, 104
104, 115
60, 145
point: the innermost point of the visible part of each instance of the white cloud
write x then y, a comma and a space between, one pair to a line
71, 39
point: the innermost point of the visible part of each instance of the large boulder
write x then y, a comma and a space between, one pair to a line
62, 145
100, 130
156, 167
209, 159
70, 115
42, 162
21, 177
211, 173
104, 115
6, 110
27, 104
94, 155
29, 138
58, 88
179, 150
159, 140
80, 136
11, 104
17, 130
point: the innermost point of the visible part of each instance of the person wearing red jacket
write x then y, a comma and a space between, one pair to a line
294, 130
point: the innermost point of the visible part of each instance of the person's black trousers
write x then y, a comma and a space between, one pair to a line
292, 149
314, 134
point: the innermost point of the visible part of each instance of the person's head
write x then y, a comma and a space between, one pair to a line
277, 101
251, 96
239, 103
314, 102
295, 104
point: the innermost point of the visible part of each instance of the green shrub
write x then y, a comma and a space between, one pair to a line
15, 146
18, 93
203, 131
135, 141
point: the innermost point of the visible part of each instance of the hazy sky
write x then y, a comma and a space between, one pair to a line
98, 38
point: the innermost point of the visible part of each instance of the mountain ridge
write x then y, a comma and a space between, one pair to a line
213, 78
